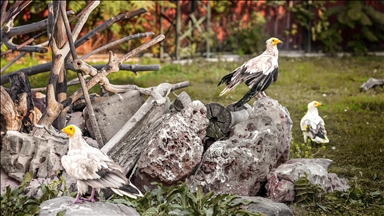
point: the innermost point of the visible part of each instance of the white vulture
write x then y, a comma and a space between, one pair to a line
313, 125
91, 167
257, 73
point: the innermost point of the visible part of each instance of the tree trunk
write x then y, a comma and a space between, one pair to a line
20, 92
61, 86
10, 120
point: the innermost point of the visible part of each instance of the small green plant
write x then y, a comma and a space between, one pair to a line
15, 202
306, 192
304, 150
180, 200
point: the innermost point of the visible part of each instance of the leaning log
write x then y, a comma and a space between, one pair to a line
127, 144
371, 83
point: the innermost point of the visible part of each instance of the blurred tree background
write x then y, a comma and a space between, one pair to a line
239, 27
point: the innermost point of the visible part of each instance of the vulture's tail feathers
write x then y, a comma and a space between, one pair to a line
226, 79
248, 96
128, 190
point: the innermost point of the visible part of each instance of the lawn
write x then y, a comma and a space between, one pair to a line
354, 120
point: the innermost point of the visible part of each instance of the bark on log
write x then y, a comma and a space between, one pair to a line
10, 120
20, 92
371, 83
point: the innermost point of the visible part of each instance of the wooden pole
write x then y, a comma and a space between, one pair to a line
92, 116
178, 29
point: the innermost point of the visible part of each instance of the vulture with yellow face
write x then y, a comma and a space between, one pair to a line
91, 167
313, 125
257, 73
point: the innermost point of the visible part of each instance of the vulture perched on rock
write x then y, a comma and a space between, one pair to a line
91, 167
257, 73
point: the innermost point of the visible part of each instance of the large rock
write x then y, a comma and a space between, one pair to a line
21, 153
54, 206
240, 164
175, 149
113, 112
280, 186
265, 206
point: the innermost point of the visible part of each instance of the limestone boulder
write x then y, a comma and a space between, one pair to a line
175, 149
241, 163
265, 206
22, 152
53, 206
280, 186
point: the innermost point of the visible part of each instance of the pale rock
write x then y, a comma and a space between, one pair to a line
280, 186
53, 206
241, 163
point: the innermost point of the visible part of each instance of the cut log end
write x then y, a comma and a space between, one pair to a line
220, 120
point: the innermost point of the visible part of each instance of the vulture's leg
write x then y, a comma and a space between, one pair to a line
263, 94
92, 197
77, 200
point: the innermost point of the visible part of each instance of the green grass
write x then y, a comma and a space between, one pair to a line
354, 120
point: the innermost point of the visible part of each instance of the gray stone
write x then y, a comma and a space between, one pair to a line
76, 118
54, 206
240, 164
281, 181
7, 181
175, 149
113, 112
280, 190
23, 152
265, 206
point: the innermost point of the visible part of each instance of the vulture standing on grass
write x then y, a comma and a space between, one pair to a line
313, 125
91, 167
257, 73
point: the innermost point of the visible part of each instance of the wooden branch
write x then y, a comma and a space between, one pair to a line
47, 66
54, 110
27, 71
101, 76
139, 35
26, 43
92, 116
13, 61
8, 42
80, 65
25, 29
141, 48
3, 12
108, 23
371, 83
10, 15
